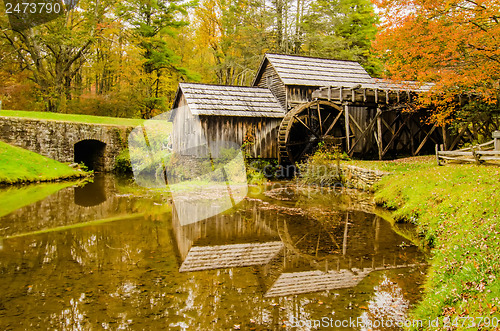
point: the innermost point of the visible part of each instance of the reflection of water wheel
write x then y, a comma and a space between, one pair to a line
310, 239
306, 125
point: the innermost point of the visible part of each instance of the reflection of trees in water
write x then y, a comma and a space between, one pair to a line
125, 274
388, 305
67, 207
84, 277
322, 249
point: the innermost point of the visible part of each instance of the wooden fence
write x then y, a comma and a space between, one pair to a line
487, 152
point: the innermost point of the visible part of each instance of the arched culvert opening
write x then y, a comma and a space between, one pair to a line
92, 193
91, 153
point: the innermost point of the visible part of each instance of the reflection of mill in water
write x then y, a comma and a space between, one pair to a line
294, 252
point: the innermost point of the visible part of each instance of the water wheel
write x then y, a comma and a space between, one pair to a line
307, 125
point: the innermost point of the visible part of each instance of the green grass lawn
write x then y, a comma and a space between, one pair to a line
72, 117
457, 212
400, 165
18, 165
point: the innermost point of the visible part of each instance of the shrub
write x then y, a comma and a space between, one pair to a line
122, 162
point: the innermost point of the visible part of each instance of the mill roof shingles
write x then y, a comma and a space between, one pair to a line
318, 72
308, 71
222, 100
230, 256
314, 281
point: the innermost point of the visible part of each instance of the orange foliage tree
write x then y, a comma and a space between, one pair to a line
453, 43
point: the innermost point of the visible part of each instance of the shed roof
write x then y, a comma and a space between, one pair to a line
310, 71
220, 100
294, 283
230, 256
403, 85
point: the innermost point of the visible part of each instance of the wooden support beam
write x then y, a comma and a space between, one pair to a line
347, 128
341, 95
306, 126
376, 95
387, 126
434, 140
461, 133
379, 134
396, 135
346, 229
444, 133
333, 123
319, 118
398, 115
355, 123
425, 139
367, 131
329, 93
364, 95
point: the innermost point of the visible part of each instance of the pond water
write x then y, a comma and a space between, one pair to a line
106, 256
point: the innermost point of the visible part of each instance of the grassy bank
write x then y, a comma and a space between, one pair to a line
457, 211
18, 165
72, 118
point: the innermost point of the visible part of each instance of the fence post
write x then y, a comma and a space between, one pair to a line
476, 156
496, 136
437, 155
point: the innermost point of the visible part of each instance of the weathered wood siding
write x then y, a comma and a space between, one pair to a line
296, 95
187, 137
270, 79
219, 229
191, 133
234, 129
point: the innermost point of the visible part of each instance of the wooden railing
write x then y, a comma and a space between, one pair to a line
486, 152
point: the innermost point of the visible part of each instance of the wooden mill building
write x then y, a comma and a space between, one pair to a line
293, 79
204, 114
297, 102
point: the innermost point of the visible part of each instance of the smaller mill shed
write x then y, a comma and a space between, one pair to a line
227, 113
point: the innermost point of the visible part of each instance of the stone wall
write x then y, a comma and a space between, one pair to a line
361, 178
57, 139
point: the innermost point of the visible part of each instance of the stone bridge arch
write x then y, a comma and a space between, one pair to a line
97, 145
90, 152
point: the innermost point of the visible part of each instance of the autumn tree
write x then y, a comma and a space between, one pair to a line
54, 52
232, 36
153, 21
454, 43
108, 83
341, 29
